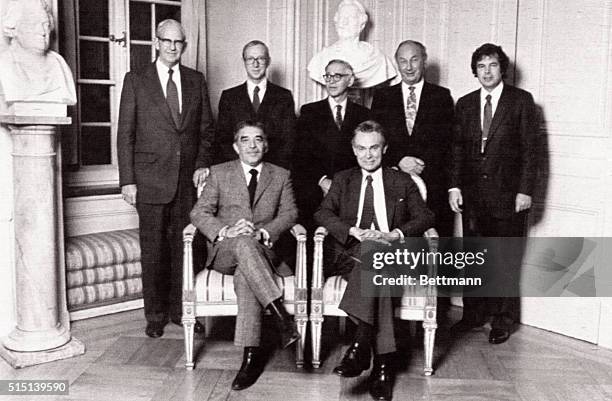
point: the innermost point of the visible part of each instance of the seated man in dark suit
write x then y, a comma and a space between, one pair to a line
245, 207
369, 203
258, 99
324, 131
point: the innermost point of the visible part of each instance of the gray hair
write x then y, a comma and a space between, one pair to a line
15, 11
167, 22
341, 62
419, 45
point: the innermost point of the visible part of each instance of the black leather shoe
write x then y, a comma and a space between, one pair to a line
286, 325
463, 326
381, 380
498, 336
198, 328
356, 359
252, 366
155, 329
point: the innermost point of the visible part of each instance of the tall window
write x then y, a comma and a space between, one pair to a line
111, 37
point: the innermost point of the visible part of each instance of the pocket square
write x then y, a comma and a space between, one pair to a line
400, 200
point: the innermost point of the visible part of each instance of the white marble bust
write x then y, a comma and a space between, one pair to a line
370, 65
29, 71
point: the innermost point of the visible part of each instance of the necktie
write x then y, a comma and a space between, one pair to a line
256, 101
411, 110
486, 122
172, 99
252, 185
339, 116
368, 216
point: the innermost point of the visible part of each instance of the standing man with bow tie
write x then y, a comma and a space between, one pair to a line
418, 118
164, 141
258, 99
494, 166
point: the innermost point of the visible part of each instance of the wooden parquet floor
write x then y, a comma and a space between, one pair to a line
122, 364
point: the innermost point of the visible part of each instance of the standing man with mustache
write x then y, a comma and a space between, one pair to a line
418, 117
258, 99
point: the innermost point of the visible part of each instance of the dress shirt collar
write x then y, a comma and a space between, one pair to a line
247, 170
162, 73
263, 85
333, 104
495, 94
376, 175
418, 89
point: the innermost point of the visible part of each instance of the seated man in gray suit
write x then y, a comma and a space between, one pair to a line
245, 207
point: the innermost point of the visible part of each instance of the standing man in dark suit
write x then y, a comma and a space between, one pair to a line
245, 207
369, 202
493, 172
418, 118
164, 141
258, 100
325, 129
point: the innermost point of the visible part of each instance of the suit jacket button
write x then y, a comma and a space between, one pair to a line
485, 176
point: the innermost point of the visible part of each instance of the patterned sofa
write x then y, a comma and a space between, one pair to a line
102, 269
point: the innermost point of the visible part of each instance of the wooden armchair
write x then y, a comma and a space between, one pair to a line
418, 302
212, 293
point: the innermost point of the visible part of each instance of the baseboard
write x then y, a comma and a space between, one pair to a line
106, 309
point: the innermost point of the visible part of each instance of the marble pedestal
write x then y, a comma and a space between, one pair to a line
43, 326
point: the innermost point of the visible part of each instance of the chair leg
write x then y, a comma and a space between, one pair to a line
429, 340
188, 326
299, 349
315, 333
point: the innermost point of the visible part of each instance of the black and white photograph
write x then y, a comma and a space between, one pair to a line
306, 200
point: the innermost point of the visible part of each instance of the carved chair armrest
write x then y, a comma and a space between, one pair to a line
301, 283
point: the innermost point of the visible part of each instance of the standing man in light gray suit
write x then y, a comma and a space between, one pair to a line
245, 207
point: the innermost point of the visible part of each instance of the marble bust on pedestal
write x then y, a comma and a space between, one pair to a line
31, 75
370, 65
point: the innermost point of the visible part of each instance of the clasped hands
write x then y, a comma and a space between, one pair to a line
374, 235
245, 227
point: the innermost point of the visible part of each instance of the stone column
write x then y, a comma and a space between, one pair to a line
43, 328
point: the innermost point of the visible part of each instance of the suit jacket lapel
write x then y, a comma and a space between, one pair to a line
390, 197
238, 183
157, 93
502, 108
189, 93
398, 101
424, 105
262, 183
354, 187
245, 102
268, 99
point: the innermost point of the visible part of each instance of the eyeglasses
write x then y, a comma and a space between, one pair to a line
334, 77
170, 42
259, 60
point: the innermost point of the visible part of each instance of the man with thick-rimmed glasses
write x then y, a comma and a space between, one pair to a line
325, 129
164, 142
260, 100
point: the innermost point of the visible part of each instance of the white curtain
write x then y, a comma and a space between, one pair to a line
193, 18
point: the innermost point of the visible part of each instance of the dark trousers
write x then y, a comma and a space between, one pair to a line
161, 248
504, 310
362, 301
